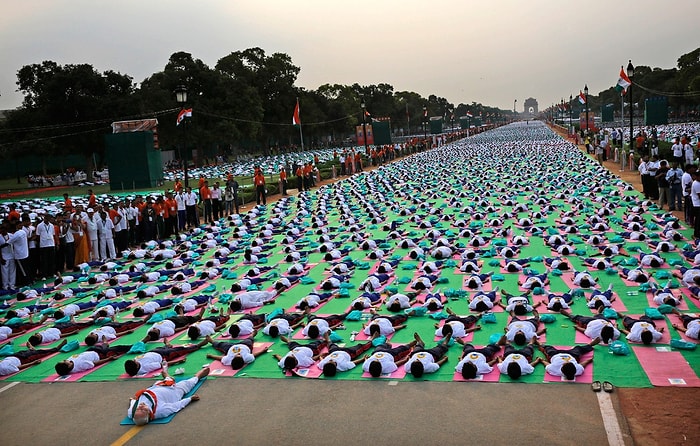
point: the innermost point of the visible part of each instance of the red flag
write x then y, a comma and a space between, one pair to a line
184, 113
295, 118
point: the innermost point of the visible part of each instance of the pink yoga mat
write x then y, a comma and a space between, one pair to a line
361, 336
585, 377
398, 374
492, 377
312, 372
666, 368
568, 279
294, 308
45, 358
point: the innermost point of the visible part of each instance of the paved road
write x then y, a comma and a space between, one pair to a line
299, 412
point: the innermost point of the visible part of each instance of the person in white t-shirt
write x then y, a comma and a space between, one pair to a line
26, 358
475, 362
236, 354
154, 359
691, 324
517, 362
427, 360
341, 359
567, 362
96, 355
387, 359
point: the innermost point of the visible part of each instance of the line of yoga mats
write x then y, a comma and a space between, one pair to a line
623, 371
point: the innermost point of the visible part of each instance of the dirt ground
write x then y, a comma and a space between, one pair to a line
661, 416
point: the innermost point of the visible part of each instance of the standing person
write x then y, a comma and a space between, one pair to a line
695, 196
132, 214
82, 251
677, 150
228, 201
181, 209
148, 221
599, 153
686, 184
106, 236
7, 259
191, 208
121, 227
92, 199
161, 216
33, 262
233, 184
663, 185
300, 178
674, 177
92, 228
205, 198
283, 180
216, 201
652, 167
260, 192
644, 175
48, 240
171, 226
307, 176
688, 153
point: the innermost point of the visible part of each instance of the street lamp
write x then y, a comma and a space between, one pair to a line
364, 124
630, 74
585, 92
425, 127
561, 110
571, 98
181, 98
515, 101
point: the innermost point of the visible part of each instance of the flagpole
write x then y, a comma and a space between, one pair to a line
408, 120
301, 135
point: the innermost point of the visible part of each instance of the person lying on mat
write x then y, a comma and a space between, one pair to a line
95, 355
23, 359
163, 399
584, 279
691, 324
641, 330
312, 300
318, 326
665, 296
58, 331
366, 300
522, 331
153, 360
534, 281
457, 326
152, 306
207, 326
517, 362
301, 355
484, 301
111, 330
567, 362
558, 302
600, 300
170, 326
519, 305
689, 276
252, 299
650, 260
387, 359
384, 325
598, 263
476, 281
634, 275
283, 324
476, 361
192, 303
429, 360
247, 324
342, 359
236, 354
559, 263
400, 301
594, 326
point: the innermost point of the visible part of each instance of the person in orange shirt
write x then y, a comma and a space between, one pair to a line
161, 216
205, 197
177, 186
283, 180
92, 200
358, 162
300, 178
201, 182
67, 203
260, 192
307, 176
13, 215
171, 208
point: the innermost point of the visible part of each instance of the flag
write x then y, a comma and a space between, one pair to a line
184, 113
295, 118
425, 113
623, 82
367, 114
581, 97
469, 115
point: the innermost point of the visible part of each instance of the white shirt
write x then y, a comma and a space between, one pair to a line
149, 362
303, 355
50, 335
84, 361
429, 364
322, 325
693, 329
166, 328
635, 334
385, 359
19, 243
385, 326
9, 365
206, 328
558, 360
109, 333
525, 367
281, 324
342, 359
695, 193
479, 361
46, 235
238, 350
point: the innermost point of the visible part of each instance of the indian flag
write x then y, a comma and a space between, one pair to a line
581, 97
296, 120
184, 113
623, 82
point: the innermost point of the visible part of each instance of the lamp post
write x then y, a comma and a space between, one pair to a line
585, 92
425, 127
364, 123
561, 110
181, 98
571, 98
630, 74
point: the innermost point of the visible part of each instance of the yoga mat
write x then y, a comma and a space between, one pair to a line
675, 319
312, 372
129, 422
491, 377
398, 374
468, 338
666, 368
585, 377
682, 305
73, 377
665, 335
11, 375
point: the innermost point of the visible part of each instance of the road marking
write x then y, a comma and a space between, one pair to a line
128, 435
612, 427
9, 386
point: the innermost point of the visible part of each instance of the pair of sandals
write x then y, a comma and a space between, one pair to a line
607, 386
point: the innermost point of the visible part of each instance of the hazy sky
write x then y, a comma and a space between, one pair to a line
490, 52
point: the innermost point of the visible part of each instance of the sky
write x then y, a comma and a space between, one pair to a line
493, 52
